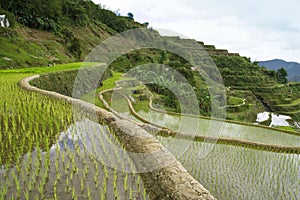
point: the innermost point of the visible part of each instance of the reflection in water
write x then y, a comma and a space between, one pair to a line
276, 119
68, 170
231, 172
229, 130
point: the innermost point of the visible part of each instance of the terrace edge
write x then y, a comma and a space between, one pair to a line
171, 182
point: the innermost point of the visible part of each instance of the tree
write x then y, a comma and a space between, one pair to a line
130, 15
75, 47
146, 24
281, 75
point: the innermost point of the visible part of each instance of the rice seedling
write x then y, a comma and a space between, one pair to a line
105, 172
130, 194
145, 194
116, 194
63, 157
71, 176
41, 188
96, 182
88, 193
104, 186
86, 171
37, 163
242, 173
126, 182
58, 176
3, 192
27, 195
73, 193
81, 185
102, 196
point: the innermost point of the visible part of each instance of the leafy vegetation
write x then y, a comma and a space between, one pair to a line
281, 75
238, 73
237, 171
54, 15
59, 31
41, 162
234, 100
107, 84
61, 43
20, 130
63, 83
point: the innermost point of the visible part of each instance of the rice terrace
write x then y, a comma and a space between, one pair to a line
95, 105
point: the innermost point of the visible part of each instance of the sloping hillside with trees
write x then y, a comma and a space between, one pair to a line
44, 33
59, 31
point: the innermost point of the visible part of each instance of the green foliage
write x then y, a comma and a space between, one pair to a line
40, 14
63, 83
166, 97
24, 112
271, 73
281, 75
56, 68
130, 15
38, 140
67, 35
239, 71
55, 14
105, 16
234, 100
76, 12
146, 24
121, 24
16, 52
11, 17
76, 27
75, 47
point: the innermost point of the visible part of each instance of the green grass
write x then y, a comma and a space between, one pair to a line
56, 68
118, 104
287, 128
19, 51
295, 102
109, 83
20, 109
24, 52
234, 100
141, 105
39, 163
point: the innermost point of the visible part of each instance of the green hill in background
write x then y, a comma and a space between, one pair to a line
292, 68
44, 33
59, 31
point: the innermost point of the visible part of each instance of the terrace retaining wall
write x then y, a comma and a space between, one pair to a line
170, 182
162, 131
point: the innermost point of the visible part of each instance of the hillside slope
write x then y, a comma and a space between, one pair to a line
60, 31
64, 31
25, 47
